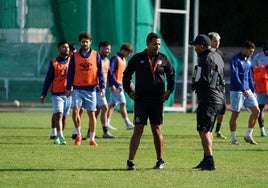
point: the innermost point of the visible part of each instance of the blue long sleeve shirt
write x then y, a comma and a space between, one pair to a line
241, 74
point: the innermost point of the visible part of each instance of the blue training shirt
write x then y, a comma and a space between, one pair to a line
241, 74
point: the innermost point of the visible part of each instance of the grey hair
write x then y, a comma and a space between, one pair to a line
214, 34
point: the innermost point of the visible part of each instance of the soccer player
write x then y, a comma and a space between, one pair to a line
260, 74
84, 75
56, 80
102, 105
117, 96
242, 91
215, 43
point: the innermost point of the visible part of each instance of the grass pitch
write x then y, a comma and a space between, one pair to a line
30, 159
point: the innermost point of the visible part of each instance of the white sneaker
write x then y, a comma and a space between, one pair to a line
111, 127
129, 126
108, 135
235, 142
249, 139
263, 134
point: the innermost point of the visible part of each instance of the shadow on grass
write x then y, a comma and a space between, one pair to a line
51, 169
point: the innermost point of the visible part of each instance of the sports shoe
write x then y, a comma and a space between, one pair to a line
200, 165
263, 133
52, 137
250, 140
62, 141
93, 143
56, 140
78, 140
111, 127
209, 164
129, 126
130, 165
74, 136
159, 164
221, 136
108, 135
235, 142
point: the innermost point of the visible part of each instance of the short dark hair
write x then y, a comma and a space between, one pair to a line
72, 46
248, 44
127, 47
103, 44
85, 35
152, 36
61, 43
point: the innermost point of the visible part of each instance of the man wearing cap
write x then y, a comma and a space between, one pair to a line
209, 87
260, 74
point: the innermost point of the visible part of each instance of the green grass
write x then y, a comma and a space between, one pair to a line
30, 159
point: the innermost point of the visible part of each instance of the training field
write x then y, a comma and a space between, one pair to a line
30, 159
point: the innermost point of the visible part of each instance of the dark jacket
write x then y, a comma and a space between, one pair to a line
210, 89
149, 86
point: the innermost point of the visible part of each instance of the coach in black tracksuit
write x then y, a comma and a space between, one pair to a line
209, 86
151, 68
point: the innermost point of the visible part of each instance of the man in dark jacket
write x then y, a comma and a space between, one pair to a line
151, 68
209, 87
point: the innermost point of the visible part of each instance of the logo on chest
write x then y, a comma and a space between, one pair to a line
85, 66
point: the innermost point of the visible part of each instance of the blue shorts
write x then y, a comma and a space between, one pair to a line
85, 99
117, 97
61, 103
238, 100
101, 100
262, 98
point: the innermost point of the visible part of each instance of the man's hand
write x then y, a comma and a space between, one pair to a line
113, 88
42, 99
246, 94
166, 95
68, 93
120, 88
102, 92
132, 95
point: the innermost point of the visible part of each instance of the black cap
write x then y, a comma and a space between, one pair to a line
201, 39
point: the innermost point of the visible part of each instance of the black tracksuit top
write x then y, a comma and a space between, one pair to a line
209, 61
149, 86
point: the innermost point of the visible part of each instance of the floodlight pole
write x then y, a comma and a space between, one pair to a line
195, 33
186, 12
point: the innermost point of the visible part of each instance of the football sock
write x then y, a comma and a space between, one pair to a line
249, 132
75, 132
127, 120
105, 129
53, 132
92, 136
78, 130
60, 134
218, 126
233, 135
